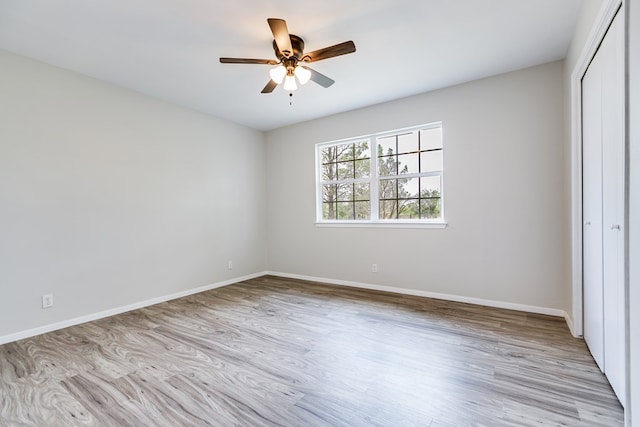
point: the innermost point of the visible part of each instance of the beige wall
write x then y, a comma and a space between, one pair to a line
504, 185
109, 198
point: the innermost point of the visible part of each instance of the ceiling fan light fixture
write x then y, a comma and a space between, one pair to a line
277, 74
302, 74
290, 83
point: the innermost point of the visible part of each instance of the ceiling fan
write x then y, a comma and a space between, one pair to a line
289, 50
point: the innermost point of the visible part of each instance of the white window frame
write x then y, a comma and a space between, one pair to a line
374, 180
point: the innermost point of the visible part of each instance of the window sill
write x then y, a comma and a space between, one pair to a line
381, 224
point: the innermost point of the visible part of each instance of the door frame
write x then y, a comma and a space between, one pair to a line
603, 21
605, 17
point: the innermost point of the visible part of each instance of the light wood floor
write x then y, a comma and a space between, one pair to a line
273, 351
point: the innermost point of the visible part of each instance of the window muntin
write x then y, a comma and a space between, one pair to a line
402, 181
346, 170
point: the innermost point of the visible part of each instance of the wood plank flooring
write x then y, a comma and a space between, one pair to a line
281, 352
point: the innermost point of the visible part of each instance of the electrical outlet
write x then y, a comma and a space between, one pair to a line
47, 300
230, 265
374, 268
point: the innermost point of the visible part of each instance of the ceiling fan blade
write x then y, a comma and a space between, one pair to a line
281, 36
331, 51
320, 78
248, 61
269, 87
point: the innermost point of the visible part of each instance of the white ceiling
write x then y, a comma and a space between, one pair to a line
169, 49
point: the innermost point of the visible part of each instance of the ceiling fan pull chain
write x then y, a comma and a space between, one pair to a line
290, 98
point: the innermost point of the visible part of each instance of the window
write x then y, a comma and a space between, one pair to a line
388, 177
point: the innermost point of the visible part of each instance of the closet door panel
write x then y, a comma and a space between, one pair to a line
613, 173
593, 298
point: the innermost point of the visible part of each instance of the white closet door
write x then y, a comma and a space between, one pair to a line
593, 299
613, 193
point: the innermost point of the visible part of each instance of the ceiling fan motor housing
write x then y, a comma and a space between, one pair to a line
298, 48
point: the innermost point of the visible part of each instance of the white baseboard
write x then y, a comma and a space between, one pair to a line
571, 325
448, 297
111, 312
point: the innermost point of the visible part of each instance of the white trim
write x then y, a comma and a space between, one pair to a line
111, 312
380, 224
405, 291
374, 186
448, 297
567, 318
605, 17
382, 134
